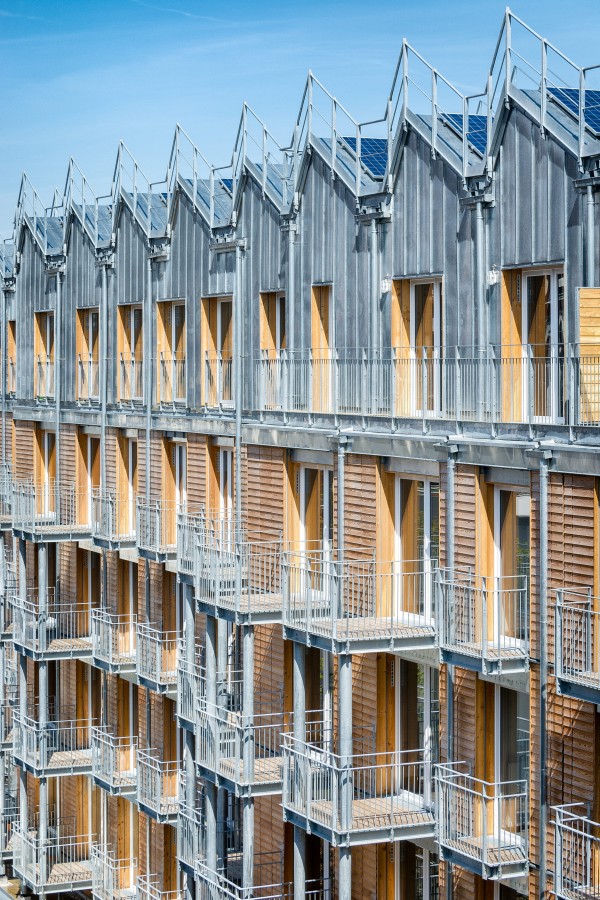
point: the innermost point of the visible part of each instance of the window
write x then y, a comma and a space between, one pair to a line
171, 338
88, 475
217, 346
416, 546
11, 357
127, 481
417, 344
44, 355
45, 473
88, 387
131, 353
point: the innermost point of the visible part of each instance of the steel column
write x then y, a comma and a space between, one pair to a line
590, 243
345, 763
248, 751
299, 726
212, 823
543, 674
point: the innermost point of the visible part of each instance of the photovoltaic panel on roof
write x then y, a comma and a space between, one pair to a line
477, 133
227, 183
373, 154
569, 98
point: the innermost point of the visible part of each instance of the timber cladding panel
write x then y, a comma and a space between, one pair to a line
111, 459
265, 484
196, 471
156, 464
68, 454
24, 444
268, 663
360, 501
465, 505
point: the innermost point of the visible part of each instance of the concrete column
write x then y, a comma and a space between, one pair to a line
345, 763
299, 726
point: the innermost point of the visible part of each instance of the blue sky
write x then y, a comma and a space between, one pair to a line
78, 76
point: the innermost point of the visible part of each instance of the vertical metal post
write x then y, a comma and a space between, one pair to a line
345, 770
299, 725
590, 243
212, 823
148, 345
543, 689
103, 374
248, 751
450, 511
23, 805
373, 261
221, 701
238, 373
57, 386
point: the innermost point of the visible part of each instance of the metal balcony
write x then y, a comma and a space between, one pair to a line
131, 379
60, 863
6, 607
57, 748
148, 889
61, 630
112, 878
224, 736
88, 377
190, 838
237, 578
577, 645
268, 883
158, 787
484, 622
482, 826
44, 377
114, 762
50, 512
576, 853
113, 519
6, 483
190, 687
9, 820
218, 380
357, 606
156, 522
171, 385
7, 725
114, 642
375, 797
189, 527
157, 659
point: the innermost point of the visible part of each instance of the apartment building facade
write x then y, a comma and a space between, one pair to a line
300, 505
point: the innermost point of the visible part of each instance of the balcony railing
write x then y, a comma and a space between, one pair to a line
60, 863
114, 641
114, 761
520, 384
190, 837
148, 888
190, 685
113, 518
171, 387
9, 820
157, 658
158, 789
221, 737
7, 725
189, 527
88, 377
268, 885
218, 383
485, 825
373, 797
49, 510
6, 483
358, 605
112, 878
156, 528
576, 853
44, 377
61, 630
131, 379
484, 622
56, 748
6, 607
11, 376
577, 644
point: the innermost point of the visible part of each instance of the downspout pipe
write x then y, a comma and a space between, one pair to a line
148, 371
543, 693
480, 273
450, 512
103, 368
58, 379
238, 370
374, 260
590, 242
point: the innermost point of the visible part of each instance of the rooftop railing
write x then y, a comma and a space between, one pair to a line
171, 386
56, 748
576, 853
486, 823
60, 863
60, 629
131, 378
112, 878
484, 621
114, 761
157, 657
370, 794
158, 788
223, 737
358, 604
113, 517
156, 527
114, 641
577, 643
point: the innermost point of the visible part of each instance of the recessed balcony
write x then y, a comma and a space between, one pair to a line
114, 641
218, 380
114, 762
171, 387
131, 379
156, 529
88, 378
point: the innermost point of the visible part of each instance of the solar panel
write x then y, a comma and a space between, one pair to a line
477, 133
227, 183
373, 154
569, 99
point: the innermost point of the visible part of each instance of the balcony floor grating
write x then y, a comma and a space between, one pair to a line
367, 813
472, 847
268, 770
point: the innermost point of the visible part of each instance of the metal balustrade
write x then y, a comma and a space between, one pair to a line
484, 622
369, 797
191, 834
114, 761
577, 644
131, 378
11, 376
576, 853
483, 826
59, 863
44, 377
88, 377
189, 527
114, 641
190, 688
9, 819
57, 748
358, 605
157, 658
6, 725
158, 787
268, 884
6, 483
225, 737
51, 511
218, 380
61, 629
156, 522
112, 878
6, 606
148, 889
113, 518
171, 386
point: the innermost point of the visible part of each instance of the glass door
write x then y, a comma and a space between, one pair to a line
543, 346
416, 548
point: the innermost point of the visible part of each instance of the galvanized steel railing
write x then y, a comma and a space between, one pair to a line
62, 626
148, 889
112, 878
114, 759
6, 724
366, 792
191, 834
577, 638
486, 822
88, 377
171, 386
576, 853
131, 378
113, 516
188, 534
190, 685
9, 820
213, 885
11, 376
157, 657
156, 522
61, 860
44, 377
114, 639
484, 618
62, 747
359, 600
218, 379
49, 505
158, 786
